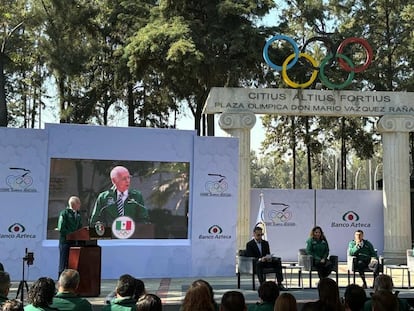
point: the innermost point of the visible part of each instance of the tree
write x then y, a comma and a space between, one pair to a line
191, 46
12, 16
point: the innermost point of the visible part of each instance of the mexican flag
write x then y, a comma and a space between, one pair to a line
123, 225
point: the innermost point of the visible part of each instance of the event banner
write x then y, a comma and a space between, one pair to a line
289, 216
180, 186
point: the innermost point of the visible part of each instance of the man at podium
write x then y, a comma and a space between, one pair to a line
69, 221
119, 201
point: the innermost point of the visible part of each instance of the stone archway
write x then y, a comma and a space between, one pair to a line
238, 107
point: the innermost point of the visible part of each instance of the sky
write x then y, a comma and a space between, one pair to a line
257, 133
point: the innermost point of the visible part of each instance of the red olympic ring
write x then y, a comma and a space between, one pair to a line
368, 50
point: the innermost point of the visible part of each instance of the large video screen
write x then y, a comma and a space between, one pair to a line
157, 190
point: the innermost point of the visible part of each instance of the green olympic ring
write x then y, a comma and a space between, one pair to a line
344, 62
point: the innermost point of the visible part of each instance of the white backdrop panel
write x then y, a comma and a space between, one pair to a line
341, 212
289, 216
214, 217
23, 167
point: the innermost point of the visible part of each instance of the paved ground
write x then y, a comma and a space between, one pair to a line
172, 291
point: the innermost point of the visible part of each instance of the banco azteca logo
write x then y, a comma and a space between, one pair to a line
350, 216
215, 229
16, 228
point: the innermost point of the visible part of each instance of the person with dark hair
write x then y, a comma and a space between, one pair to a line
139, 289
41, 294
120, 200
317, 246
198, 297
383, 283
4, 286
66, 298
286, 302
233, 301
268, 293
69, 221
260, 249
13, 305
125, 295
329, 299
354, 298
363, 251
149, 302
384, 300
201, 282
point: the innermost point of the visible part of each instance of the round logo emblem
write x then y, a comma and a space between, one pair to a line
123, 227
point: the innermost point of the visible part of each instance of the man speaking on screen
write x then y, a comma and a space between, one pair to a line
119, 201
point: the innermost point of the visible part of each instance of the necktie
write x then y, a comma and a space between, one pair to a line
120, 205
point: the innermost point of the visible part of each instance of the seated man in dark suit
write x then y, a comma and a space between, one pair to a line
259, 248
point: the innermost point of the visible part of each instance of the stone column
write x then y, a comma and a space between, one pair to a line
238, 124
396, 185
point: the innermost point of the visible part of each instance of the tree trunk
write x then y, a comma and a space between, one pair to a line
293, 146
3, 105
308, 154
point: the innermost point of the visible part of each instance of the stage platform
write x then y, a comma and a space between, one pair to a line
172, 290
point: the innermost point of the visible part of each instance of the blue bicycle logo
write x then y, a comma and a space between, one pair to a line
21, 181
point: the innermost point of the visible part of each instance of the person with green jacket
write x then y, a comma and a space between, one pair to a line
363, 250
66, 298
125, 295
118, 201
268, 293
383, 283
317, 246
69, 221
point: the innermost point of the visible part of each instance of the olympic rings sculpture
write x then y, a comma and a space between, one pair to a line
334, 53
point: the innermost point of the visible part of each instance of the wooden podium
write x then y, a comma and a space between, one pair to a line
87, 261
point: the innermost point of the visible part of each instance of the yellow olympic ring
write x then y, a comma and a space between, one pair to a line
294, 84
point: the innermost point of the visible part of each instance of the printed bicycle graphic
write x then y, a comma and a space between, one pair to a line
22, 181
217, 186
280, 215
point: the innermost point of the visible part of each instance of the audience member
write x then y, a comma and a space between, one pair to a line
149, 302
233, 301
4, 286
286, 302
364, 252
260, 249
384, 300
268, 292
317, 246
125, 295
210, 289
66, 298
41, 294
354, 298
328, 297
198, 297
13, 305
383, 283
139, 291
